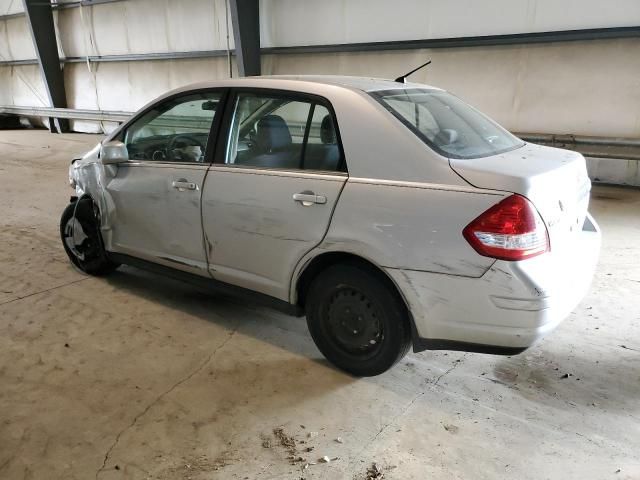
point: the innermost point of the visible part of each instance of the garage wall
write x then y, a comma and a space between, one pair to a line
9, 7
295, 22
143, 26
547, 88
127, 86
22, 85
15, 39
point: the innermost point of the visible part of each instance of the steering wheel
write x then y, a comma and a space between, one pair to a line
187, 138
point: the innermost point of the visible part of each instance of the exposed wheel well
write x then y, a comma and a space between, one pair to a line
83, 204
87, 205
326, 260
85, 201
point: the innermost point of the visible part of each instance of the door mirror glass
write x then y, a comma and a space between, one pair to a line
114, 152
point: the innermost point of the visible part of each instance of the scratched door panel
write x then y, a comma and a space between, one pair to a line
155, 219
256, 232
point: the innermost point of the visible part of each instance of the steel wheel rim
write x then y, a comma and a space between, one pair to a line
353, 323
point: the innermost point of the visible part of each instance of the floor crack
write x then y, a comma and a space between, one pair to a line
453, 367
43, 291
408, 406
198, 369
388, 424
588, 439
629, 348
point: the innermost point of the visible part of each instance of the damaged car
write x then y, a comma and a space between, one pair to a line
392, 215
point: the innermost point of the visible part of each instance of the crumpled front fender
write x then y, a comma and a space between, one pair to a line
91, 177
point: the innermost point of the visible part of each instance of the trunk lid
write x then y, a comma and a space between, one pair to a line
554, 180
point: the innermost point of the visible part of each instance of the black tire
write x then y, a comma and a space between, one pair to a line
89, 255
357, 320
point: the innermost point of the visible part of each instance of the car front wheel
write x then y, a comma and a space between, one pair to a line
80, 234
356, 320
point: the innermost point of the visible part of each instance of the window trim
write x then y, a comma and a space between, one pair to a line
305, 139
223, 134
214, 130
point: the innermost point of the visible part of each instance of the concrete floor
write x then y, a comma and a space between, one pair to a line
136, 376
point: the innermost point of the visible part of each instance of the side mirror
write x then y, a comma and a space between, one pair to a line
112, 153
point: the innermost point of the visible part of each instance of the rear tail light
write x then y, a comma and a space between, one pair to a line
510, 230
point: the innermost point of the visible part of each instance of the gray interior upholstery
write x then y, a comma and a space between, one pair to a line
324, 156
273, 147
327, 132
272, 134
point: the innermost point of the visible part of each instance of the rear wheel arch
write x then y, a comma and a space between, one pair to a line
325, 260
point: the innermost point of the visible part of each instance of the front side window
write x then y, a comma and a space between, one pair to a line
447, 124
283, 133
174, 131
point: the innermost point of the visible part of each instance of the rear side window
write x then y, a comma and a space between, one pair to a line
282, 133
447, 124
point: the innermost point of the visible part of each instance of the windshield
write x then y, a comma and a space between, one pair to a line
447, 124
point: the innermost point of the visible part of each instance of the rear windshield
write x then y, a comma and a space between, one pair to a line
447, 124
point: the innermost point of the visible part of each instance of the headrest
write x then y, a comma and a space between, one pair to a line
272, 133
327, 132
446, 136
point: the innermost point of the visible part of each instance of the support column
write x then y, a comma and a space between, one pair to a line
40, 16
245, 18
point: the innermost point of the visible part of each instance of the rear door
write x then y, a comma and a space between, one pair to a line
271, 192
157, 193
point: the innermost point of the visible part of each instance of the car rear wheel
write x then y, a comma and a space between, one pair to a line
80, 234
356, 320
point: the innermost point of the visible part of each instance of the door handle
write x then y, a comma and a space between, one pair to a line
183, 184
308, 198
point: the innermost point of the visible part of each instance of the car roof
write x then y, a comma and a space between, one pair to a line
364, 84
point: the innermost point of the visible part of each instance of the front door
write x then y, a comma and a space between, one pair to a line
157, 193
271, 193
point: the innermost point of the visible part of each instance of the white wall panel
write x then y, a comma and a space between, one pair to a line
15, 39
128, 86
585, 88
9, 7
80, 86
197, 25
295, 22
73, 38
144, 26
22, 85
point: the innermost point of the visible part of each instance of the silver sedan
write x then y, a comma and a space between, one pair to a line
391, 214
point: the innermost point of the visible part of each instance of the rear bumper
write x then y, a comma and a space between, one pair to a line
509, 308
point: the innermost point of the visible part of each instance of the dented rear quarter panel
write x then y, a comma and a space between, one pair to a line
410, 226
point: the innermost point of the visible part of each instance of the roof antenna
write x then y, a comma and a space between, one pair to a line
403, 78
